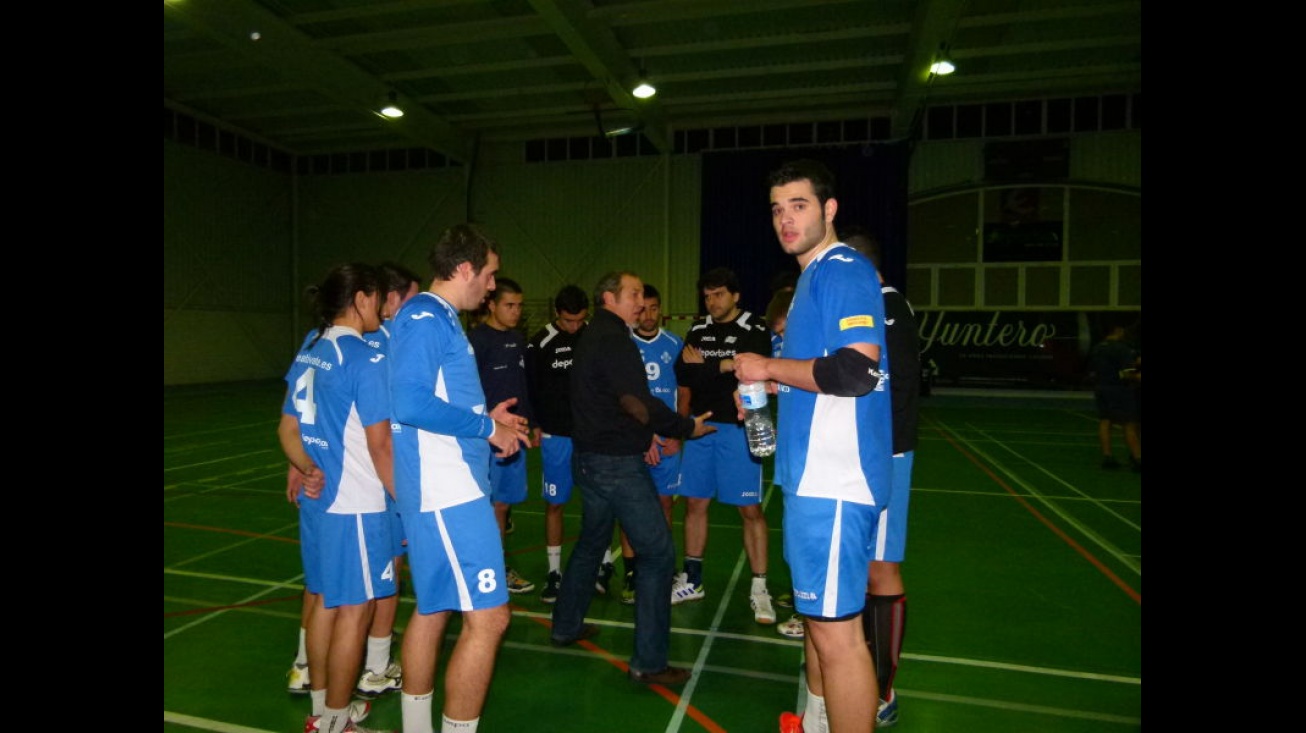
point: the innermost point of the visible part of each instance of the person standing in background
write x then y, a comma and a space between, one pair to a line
501, 361
721, 465
549, 357
1115, 369
834, 445
444, 434
658, 348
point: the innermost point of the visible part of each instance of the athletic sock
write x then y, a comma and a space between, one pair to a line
416, 712
333, 720
378, 653
814, 718
694, 570
885, 623
555, 559
448, 725
301, 658
759, 583
319, 700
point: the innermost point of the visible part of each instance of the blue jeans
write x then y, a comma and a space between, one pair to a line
620, 489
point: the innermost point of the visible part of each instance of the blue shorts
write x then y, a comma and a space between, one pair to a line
455, 558
890, 533
396, 526
827, 544
309, 516
555, 454
718, 465
508, 478
666, 475
355, 557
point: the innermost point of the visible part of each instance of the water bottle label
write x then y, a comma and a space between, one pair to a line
753, 396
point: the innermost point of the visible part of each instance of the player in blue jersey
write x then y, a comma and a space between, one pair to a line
659, 349
336, 419
834, 443
444, 435
501, 360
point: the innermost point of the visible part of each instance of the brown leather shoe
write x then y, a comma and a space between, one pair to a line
587, 631
668, 676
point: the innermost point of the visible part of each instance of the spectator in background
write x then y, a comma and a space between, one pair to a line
1113, 365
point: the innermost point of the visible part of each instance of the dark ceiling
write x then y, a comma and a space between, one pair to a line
477, 70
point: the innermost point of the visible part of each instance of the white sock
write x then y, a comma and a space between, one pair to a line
814, 720
416, 711
301, 658
609, 556
759, 585
555, 558
378, 653
458, 726
333, 720
319, 700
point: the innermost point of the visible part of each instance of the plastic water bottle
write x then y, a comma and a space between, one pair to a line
757, 419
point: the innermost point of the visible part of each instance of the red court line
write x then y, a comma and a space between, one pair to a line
694, 713
213, 609
1129, 591
241, 532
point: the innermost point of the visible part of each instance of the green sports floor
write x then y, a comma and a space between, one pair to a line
1023, 573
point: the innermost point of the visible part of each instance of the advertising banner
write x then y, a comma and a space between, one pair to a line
1020, 349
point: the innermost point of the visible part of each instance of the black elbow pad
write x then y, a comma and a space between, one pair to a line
846, 373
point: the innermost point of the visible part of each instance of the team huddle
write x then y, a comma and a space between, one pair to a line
407, 435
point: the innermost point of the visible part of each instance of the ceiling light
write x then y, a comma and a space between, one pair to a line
391, 108
643, 90
942, 65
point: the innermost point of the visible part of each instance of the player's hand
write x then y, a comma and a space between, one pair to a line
750, 367
653, 456
692, 355
671, 446
508, 438
701, 426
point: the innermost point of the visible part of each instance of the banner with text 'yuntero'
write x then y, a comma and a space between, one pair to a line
1023, 349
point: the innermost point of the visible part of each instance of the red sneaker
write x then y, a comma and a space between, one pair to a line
790, 723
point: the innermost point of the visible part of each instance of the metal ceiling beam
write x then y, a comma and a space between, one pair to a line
602, 54
936, 23
300, 59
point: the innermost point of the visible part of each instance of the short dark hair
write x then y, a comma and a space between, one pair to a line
571, 299
861, 239
719, 277
805, 169
779, 305
503, 286
458, 244
395, 278
651, 291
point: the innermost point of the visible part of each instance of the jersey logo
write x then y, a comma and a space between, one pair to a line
841, 258
890, 321
376, 359
856, 322
423, 314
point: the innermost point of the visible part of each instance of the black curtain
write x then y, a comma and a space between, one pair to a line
736, 232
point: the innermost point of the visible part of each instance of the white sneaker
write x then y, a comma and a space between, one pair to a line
299, 682
682, 591
372, 685
793, 628
763, 613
